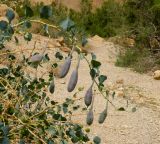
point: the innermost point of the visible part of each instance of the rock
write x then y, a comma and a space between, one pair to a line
120, 93
120, 81
4, 19
130, 42
111, 86
57, 44
156, 75
3, 10
61, 41
65, 49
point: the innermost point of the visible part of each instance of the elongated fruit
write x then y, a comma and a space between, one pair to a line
90, 117
73, 80
65, 68
88, 97
102, 116
52, 87
36, 58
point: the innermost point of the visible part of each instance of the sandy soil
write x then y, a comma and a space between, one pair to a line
141, 90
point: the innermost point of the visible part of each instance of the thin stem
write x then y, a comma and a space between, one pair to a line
37, 21
37, 136
98, 85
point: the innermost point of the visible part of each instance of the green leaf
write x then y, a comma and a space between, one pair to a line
97, 140
27, 24
63, 142
46, 12
50, 142
21, 141
5, 140
4, 71
102, 78
3, 25
10, 30
28, 36
121, 109
93, 56
28, 11
55, 65
113, 94
52, 131
10, 15
46, 58
45, 27
10, 111
93, 73
74, 139
65, 108
95, 64
67, 24
5, 130
59, 55
84, 41
11, 57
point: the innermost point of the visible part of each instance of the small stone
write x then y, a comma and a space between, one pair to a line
120, 81
111, 86
60, 40
57, 44
65, 49
120, 93
156, 75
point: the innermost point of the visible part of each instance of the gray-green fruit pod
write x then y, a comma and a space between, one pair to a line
36, 58
90, 117
102, 116
73, 80
52, 87
88, 97
96, 140
65, 68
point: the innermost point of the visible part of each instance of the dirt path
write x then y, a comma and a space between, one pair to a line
142, 91
141, 127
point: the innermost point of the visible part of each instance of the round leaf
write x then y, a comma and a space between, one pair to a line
46, 12
28, 11
10, 15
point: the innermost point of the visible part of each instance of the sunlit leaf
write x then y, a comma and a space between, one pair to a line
67, 24
28, 36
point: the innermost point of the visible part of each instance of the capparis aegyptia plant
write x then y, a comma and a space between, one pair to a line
27, 113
